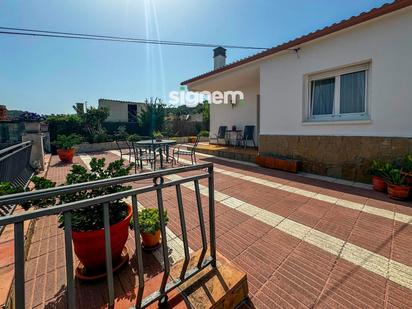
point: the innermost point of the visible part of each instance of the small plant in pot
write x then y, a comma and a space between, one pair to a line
158, 136
379, 171
407, 168
65, 146
397, 187
149, 224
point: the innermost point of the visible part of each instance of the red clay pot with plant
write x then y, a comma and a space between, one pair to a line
150, 240
398, 192
66, 155
379, 184
90, 246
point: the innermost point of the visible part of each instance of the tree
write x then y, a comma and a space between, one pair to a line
92, 121
152, 116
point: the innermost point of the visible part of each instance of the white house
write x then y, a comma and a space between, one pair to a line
336, 98
121, 111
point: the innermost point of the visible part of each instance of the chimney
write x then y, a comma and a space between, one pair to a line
219, 56
79, 108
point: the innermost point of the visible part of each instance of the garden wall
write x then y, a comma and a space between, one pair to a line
347, 157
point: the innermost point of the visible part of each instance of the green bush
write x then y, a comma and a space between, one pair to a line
41, 183
67, 141
407, 163
7, 188
204, 133
379, 168
91, 218
149, 220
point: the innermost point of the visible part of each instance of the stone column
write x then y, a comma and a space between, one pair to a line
37, 149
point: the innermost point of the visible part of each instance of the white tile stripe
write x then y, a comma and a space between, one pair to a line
380, 265
173, 241
317, 196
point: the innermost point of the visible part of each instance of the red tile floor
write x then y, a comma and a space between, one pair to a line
303, 242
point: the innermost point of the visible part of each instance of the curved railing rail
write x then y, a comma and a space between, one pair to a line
65, 209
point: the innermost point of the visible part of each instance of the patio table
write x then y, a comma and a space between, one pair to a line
163, 144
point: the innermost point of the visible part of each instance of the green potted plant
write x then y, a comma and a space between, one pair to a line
65, 146
149, 223
134, 138
407, 168
87, 223
379, 171
397, 186
158, 136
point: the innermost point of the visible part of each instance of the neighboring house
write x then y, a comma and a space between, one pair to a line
122, 111
336, 98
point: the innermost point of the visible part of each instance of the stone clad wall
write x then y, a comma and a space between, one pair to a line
347, 157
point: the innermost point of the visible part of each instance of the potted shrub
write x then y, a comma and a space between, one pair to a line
379, 170
397, 186
87, 223
158, 136
7, 188
65, 146
407, 168
149, 223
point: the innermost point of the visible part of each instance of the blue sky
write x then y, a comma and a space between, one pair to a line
48, 75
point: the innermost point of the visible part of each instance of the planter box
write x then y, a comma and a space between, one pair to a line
408, 177
289, 165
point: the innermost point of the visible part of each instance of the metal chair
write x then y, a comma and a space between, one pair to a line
248, 135
122, 150
177, 151
221, 134
146, 154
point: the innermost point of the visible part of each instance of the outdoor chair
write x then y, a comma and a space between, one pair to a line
248, 135
145, 154
221, 134
124, 151
190, 151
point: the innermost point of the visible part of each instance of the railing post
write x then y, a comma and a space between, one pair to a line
108, 247
19, 293
71, 298
212, 231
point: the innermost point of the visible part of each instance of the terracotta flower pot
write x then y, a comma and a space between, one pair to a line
398, 192
150, 240
379, 184
90, 248
66, 155
260, 161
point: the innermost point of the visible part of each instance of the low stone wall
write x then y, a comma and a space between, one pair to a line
96, 147
347, 157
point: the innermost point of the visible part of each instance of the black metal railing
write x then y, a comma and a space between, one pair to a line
15, 168
159, 184
15, 164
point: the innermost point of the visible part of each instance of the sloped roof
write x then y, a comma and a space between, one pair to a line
346, 23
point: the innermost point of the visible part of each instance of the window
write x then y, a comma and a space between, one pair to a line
132, 113
338, 95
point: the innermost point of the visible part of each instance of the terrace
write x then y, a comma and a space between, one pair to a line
303, 242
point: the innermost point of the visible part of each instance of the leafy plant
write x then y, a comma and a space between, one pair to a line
92, 121
152, 116
7, 188
91, 218
157, 135
67, 141
121, 133
28, 116
204, 133
395, 177
407, 163
41, 183
379, 168
134, 138
149, 220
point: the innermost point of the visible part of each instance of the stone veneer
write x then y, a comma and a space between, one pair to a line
347, 157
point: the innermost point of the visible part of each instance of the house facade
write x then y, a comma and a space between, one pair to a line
336, 98
121, 111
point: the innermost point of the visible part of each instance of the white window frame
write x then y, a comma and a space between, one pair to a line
336, 115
